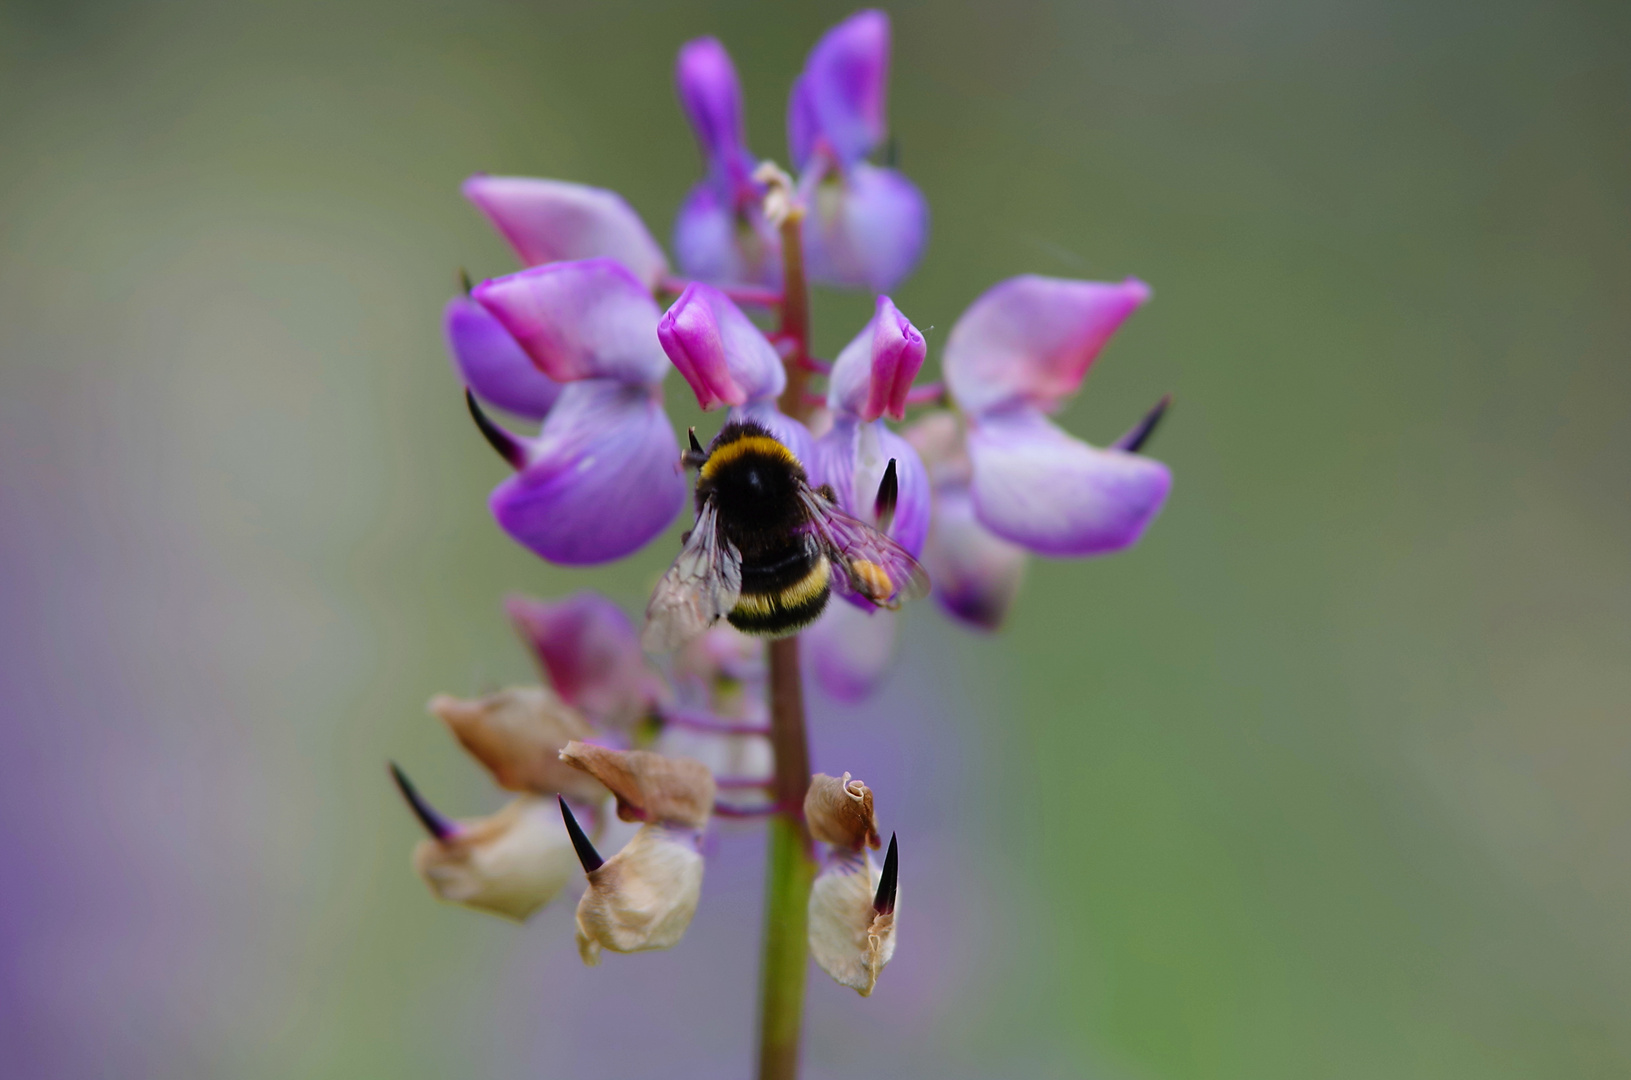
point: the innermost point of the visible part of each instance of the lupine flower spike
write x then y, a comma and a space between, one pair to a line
798, 495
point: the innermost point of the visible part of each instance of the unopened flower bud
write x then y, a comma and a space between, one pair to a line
510, 864
518, 734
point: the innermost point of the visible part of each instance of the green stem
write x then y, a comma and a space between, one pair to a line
789, 872
789, 860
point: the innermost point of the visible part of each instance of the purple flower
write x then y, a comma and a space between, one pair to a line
721, 234
851, 647
866, 225
729, 361
600, 480
1014, 479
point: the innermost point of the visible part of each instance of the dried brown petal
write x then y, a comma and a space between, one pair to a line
648, 786
643, 897
518, 734
839, 811
510, 864
848, 938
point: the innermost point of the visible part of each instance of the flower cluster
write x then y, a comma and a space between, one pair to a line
578, 341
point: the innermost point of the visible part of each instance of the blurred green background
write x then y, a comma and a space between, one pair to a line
1327, 778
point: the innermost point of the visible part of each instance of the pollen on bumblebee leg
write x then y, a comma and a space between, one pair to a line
872, 579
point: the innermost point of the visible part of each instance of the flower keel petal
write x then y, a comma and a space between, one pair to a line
580, 320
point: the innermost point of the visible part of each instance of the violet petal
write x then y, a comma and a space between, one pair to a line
488, 361
726, 359
602, 481
551, 220
711, 97
849, 651
1031, 339
713, 243
865, 228
1041, 488
580, 320
841, 93
853, 456
976, 573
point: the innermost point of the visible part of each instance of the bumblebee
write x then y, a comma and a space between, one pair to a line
767, 549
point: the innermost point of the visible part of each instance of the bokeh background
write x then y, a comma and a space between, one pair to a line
1327, 778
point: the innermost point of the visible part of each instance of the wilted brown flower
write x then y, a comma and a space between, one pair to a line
643, 897
852, 903
518, 734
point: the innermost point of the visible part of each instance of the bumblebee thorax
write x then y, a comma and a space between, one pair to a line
753, 478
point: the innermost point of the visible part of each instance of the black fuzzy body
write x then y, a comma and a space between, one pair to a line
756, 486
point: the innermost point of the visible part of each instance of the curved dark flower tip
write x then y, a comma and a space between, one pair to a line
884, 902
464, 281
587, 855
508, 446
1135, 439
883, 508
435, 824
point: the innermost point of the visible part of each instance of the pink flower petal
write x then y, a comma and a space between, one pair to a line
580, 320
601, 481
488, 361
590, 652
1040, 488
1030, 339
874, 372
726, 359
549, 221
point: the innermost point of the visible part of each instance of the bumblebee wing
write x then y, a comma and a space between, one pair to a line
868, 564
697, 591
